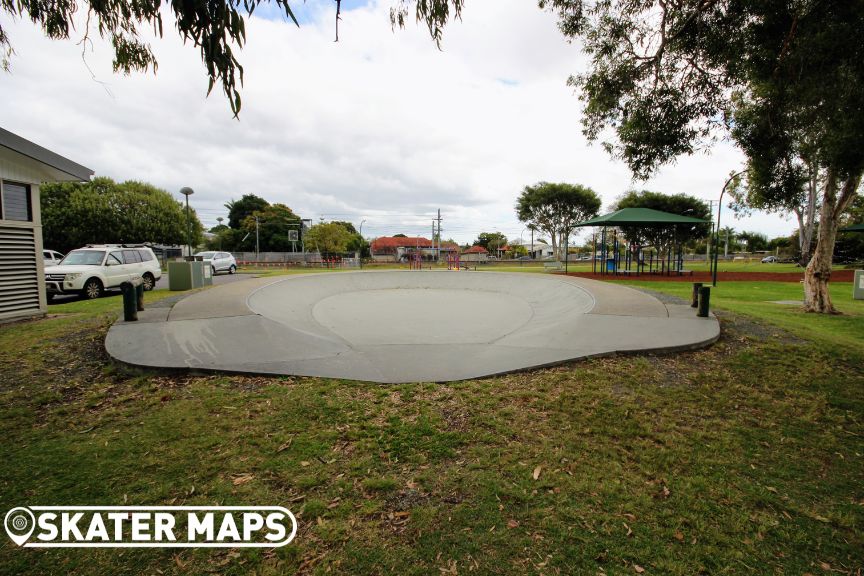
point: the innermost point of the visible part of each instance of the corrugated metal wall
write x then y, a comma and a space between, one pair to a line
19, 279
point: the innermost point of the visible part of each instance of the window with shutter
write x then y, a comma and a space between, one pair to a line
16, 202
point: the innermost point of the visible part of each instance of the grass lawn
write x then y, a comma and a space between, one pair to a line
743, 458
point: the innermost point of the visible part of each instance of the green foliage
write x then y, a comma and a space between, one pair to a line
555, 208
328, 238
661, 74
663, 237
681, 204
274, 223
216, 29
753, 241
491, 241
103, 211
239, 210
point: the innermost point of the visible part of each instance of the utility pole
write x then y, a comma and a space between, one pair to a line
438, 253
433, 239
257, 244
360, 254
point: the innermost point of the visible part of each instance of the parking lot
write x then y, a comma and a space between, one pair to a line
161, 284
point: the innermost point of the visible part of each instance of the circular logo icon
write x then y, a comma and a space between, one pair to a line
19, 524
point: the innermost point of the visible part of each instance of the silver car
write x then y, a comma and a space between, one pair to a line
219, 261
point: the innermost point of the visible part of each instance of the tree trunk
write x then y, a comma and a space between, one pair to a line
806, 222
817, 297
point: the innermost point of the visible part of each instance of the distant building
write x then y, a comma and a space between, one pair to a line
537, 251
475, 254
400, 249
23, 167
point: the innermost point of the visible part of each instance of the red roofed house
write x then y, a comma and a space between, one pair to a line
399, 248
475, 254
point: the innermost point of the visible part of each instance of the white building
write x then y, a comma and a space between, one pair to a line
537, 251
23, 167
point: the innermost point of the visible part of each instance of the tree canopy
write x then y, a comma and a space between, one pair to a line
491, 241
103, 211
555, 208
328, 238
662, 237
239, 210
781, 78
211, 27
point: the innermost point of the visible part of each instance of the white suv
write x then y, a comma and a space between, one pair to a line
91, 270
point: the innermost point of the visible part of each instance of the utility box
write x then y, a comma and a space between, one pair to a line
858, 285
180, 275
189, 274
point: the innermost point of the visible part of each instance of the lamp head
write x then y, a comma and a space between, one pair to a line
186, 191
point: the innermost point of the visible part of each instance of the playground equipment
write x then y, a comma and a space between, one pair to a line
453, 261
415, 261
613, 251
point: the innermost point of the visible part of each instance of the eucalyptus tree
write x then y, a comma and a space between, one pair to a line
556, 208
783, 79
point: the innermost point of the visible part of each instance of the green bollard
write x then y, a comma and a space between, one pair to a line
704, 301
139, 295
130, 304
695, 301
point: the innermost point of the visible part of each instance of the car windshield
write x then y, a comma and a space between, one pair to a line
84, 257
207, 255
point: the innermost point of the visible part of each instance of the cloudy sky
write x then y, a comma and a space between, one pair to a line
381, 127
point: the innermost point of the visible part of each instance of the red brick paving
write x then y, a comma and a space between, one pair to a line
836, 275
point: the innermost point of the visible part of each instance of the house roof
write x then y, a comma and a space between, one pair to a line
394, 242
475, 250
34, 151
641, 217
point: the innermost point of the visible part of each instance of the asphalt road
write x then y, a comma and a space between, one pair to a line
161, 284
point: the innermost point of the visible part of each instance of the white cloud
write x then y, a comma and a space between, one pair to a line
380, 126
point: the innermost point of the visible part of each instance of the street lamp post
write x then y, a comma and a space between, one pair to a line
186, 191
219, 220
717, 229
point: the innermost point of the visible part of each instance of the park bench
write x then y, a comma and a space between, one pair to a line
552, 266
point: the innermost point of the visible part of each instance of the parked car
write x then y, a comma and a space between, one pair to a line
219, 261
92, 270
769, 260
51, 258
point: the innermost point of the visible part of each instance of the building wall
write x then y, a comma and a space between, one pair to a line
22, 273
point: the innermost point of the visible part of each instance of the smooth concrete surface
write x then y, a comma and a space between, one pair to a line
405, 326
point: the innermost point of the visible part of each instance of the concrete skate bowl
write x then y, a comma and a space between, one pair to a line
404, 326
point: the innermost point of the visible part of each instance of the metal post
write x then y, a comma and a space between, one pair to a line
566, 252
704, 301
186, 191
139, 296
717, 231
695, 298
130, 302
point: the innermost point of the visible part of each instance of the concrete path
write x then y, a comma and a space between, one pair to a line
405, 326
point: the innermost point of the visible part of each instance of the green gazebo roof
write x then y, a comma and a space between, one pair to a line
855, 228
641, 217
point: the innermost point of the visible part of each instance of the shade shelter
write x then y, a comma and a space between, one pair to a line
634, 254
855, 228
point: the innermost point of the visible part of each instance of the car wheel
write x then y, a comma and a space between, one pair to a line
213, 270
149, 281
232, 269
92, 289
49, 298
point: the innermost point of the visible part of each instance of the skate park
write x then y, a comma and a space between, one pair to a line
404, 326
